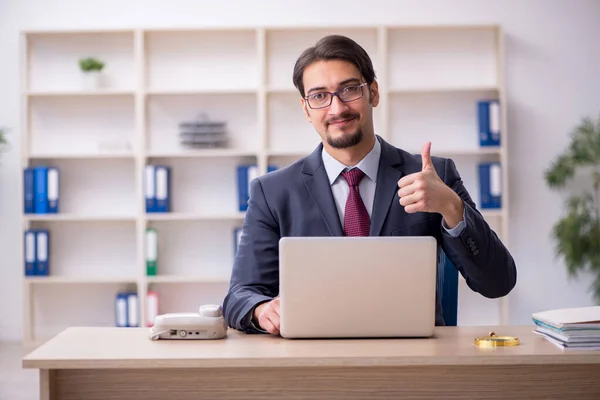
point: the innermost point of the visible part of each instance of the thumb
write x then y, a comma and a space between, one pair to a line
426, 157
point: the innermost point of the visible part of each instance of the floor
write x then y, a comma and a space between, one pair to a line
16, 383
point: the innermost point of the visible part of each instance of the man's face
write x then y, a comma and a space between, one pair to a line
341, 124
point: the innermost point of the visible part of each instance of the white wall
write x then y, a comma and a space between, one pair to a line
553, 64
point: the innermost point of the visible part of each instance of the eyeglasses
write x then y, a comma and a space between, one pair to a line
345, 94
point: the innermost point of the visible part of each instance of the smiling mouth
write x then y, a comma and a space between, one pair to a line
342, 122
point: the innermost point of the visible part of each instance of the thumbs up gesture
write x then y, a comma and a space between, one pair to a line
424, 191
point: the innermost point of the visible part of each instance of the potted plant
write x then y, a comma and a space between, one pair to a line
3, 141
92, 72
577, 234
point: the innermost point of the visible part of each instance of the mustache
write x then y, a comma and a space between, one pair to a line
341, 117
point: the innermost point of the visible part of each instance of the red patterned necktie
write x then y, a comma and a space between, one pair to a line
356, 217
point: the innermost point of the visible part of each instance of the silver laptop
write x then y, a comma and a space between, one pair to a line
357, 287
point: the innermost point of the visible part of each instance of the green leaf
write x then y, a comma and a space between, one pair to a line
583, 151
91, 64
562, 169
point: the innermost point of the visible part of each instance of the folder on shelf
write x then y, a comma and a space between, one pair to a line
151, 251
163, 188
121, 310
28, 191
151, 308
150, 188
245, 175
271, 168
53, 189
42, 246
488, 113
490, 185
41, 189
132, 310
30, 252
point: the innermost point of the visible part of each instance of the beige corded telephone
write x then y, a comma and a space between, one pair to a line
208, 323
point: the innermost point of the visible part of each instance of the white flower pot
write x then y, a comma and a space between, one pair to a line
91, 80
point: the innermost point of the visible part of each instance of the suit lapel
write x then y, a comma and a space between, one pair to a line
386, 191
318, 186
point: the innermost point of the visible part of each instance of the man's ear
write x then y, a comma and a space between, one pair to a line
374, 93
305, 109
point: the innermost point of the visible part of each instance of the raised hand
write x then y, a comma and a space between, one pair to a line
424, 191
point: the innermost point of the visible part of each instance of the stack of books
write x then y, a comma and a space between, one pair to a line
570, 328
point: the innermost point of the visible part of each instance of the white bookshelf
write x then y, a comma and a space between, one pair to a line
430, 79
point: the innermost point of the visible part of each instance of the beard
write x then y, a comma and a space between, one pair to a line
345, 140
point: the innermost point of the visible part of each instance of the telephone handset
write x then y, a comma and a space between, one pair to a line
208, 323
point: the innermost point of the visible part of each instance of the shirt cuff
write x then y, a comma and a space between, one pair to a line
248, 322
457, 230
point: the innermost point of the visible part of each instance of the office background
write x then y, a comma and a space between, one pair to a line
552, 64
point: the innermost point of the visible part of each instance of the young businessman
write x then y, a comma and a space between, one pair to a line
355, 184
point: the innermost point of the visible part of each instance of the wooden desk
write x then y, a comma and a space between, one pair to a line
122, 363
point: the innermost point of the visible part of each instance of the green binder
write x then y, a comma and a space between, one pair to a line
151, 251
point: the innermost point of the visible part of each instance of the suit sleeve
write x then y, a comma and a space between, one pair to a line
255, 274
477, 252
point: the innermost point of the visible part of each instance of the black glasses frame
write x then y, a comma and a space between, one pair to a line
336, 93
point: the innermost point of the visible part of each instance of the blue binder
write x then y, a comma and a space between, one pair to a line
150, 188
29, 247
271, 168
28, 191
121, 310
490, 185
53, 189
42, 252
245, 175
488, 113
162, 180
41, 189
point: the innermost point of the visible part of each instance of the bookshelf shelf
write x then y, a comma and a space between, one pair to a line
79, 218
81, 156
78, 93
207, 91
223, 153
191, 279
101, 140
194, 217
448, 89
67, 280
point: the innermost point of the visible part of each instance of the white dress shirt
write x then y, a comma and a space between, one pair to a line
369, 165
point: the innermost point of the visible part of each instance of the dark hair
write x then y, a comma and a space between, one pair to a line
334, 47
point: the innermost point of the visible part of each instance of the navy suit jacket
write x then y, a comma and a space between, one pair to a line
297, 201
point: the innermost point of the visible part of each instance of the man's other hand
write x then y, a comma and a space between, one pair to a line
267, 316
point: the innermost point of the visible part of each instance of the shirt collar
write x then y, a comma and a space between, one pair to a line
369, 164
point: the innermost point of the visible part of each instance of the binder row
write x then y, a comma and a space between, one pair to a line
490, 185
157, 186
41, 187
37, 252
488, 114
127, 309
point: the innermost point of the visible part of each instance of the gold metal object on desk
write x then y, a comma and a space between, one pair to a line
496, 341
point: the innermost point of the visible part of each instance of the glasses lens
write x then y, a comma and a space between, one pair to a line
318, 100
350, 93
